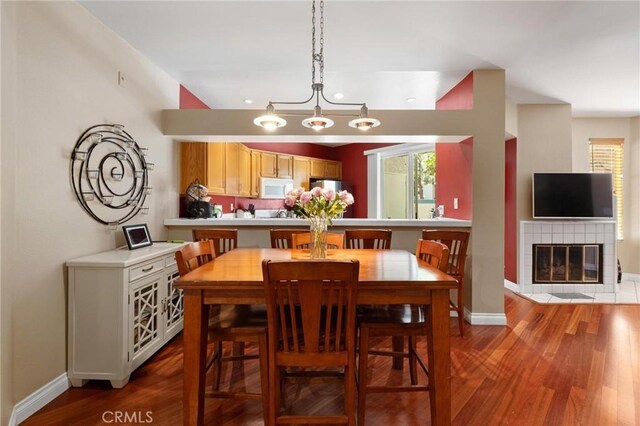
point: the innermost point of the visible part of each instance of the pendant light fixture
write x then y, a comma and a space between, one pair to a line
271, 121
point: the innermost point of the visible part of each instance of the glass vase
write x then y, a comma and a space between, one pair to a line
318, 231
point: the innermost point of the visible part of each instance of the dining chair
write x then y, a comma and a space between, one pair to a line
303, 241
311, 316
281, 238
230, 323
223, 239
396, 321
368, 238
457, 242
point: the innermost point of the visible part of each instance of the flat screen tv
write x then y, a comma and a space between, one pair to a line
572, 195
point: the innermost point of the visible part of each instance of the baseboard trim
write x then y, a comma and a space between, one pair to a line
485, 318
41, 397
630, 277
510, 285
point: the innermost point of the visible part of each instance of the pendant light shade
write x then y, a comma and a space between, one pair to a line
270, 120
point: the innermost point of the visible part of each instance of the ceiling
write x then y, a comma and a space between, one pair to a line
383, 52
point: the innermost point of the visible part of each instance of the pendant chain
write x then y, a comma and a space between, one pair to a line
317, 56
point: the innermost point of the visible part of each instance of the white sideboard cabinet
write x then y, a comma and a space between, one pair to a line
122, 309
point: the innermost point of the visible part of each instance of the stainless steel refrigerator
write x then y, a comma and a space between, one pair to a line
337, 186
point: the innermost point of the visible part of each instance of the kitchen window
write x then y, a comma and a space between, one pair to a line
606, 156
402, 181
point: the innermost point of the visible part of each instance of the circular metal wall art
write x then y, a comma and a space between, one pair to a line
109, 173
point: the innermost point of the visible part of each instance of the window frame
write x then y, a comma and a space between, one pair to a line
618, 176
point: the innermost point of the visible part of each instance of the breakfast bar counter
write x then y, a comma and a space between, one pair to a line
254, 233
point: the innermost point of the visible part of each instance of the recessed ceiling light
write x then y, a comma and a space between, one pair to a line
411, 99
338, 95
248, 101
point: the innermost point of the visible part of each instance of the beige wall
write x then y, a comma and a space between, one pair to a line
632, 222
585, 128
65, 72
544, 145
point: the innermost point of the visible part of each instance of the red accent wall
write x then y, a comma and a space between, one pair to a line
190, 101
460, 97
510, 213
354, 171
454, 161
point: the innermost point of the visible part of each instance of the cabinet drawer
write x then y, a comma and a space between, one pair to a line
145, 269
169, 260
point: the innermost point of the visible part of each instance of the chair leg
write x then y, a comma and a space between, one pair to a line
362, 373
264, 380
397, 343
460, 309
413, 370
217, 367
238, 350
350, 394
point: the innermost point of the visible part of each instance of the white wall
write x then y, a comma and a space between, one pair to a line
582, 130
63, 79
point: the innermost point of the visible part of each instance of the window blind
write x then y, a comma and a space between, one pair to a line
606, 156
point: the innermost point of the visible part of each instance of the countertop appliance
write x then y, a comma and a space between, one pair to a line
337, 186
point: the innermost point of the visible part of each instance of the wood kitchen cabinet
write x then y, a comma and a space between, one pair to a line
205, 162
276, 165
326, 169
285, 166
333, 169
255, 173
238, 170
301, 172
268, 164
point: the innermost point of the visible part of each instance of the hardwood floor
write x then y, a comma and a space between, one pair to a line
552, 365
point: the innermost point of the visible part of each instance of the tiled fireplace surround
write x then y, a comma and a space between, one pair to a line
567, 232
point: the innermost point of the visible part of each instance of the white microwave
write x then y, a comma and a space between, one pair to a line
274, 187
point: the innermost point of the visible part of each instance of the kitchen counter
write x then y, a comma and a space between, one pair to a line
255, 232
278, 222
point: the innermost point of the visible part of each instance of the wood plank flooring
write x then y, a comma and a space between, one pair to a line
552, 365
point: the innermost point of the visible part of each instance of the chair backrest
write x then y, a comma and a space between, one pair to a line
303, 241
457, 241
368, 238
281, 238
193, 255
311, 311
434, 253
223, 239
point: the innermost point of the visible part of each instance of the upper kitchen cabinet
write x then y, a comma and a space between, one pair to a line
205, 162
268, 164
326, 169
238, 170
285, 166
276, 165
255, 173
301, 172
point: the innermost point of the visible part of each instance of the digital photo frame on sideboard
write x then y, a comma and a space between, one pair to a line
137, 236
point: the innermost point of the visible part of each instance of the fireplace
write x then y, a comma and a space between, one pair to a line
567, 256
567, 263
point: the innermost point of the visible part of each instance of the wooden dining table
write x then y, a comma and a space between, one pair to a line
386, 277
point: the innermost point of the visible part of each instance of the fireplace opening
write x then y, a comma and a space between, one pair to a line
567, 263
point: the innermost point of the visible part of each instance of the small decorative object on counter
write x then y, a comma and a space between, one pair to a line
199, 206
319, 206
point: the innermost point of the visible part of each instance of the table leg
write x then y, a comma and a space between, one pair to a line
196, 315
439, 357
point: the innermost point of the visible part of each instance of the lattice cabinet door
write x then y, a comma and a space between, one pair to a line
173, 306
145, 321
